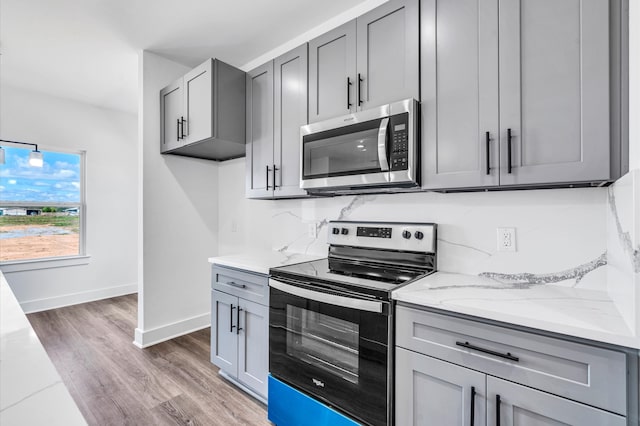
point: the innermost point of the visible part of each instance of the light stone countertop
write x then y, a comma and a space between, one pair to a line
261, 261
582, 313
31, 390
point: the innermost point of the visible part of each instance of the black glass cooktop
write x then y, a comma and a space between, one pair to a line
360, 274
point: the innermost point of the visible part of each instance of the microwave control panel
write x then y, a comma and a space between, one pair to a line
399, 155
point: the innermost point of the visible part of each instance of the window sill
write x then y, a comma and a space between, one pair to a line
48, 263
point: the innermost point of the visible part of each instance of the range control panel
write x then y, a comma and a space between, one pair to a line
418, 237
373, 231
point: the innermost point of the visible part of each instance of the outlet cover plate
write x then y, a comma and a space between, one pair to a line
506, 239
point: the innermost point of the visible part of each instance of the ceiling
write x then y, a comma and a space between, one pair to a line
86, 50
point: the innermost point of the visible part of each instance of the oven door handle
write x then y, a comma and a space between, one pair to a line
332, 299
382, 144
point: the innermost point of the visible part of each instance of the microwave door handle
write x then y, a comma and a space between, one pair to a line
382, 145
332, 299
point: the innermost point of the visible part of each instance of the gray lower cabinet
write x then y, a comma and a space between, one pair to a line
369, 61
522, 406
276, 109
503, 376
520, 92
434, 392
224, 340
240, 328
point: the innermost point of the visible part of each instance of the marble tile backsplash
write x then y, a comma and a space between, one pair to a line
623, 246
561, 233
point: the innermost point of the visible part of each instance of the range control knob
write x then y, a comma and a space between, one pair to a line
406, 235
335, 231
419, 235
345, 231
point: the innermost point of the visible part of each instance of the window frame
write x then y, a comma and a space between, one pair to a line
56, 261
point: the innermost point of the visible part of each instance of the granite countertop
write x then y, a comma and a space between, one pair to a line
587, 314
261, 261
31, 390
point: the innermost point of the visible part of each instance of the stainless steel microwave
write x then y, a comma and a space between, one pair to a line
376, 148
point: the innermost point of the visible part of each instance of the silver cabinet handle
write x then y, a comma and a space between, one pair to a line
235, 284
332, 299
382, 145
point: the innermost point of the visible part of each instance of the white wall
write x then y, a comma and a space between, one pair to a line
178, 221
109, 139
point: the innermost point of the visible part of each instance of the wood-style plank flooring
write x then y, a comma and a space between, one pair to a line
115, 383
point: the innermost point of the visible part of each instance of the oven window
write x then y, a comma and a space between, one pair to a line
323, 341
345, 151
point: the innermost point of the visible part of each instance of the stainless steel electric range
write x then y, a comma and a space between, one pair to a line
331, 323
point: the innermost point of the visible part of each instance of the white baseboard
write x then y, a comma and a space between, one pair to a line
37, 305
146, 338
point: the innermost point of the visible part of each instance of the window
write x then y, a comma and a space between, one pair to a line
41, 208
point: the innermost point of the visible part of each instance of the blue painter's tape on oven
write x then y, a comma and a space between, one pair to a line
290, 407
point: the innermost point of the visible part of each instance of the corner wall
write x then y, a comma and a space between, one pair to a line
109, 139
178, 221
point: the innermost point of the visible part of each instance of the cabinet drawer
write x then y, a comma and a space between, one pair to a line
580, 372
246, 285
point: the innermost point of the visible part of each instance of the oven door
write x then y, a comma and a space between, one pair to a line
332, 347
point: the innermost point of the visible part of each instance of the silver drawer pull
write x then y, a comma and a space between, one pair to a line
488, 351
235, 284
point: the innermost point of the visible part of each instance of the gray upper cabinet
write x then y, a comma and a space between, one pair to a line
527, 93
387, 53
276, 109
460, 392
459, 48
171, 112
554, 90
370, 61
259, 132
203, 113
332, 73
198, 112
290, 113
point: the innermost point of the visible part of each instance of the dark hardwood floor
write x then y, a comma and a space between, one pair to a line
115, 383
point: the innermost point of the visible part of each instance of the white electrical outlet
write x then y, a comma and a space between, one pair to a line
506, 239
313, 230
234, 226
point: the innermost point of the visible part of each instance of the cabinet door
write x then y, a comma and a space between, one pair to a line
171, 105
253, 346
224, 338
388, 63
554, 90
332, 73
290, 114
198, 103
260, 132
434, 392
459, 93
523, 406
